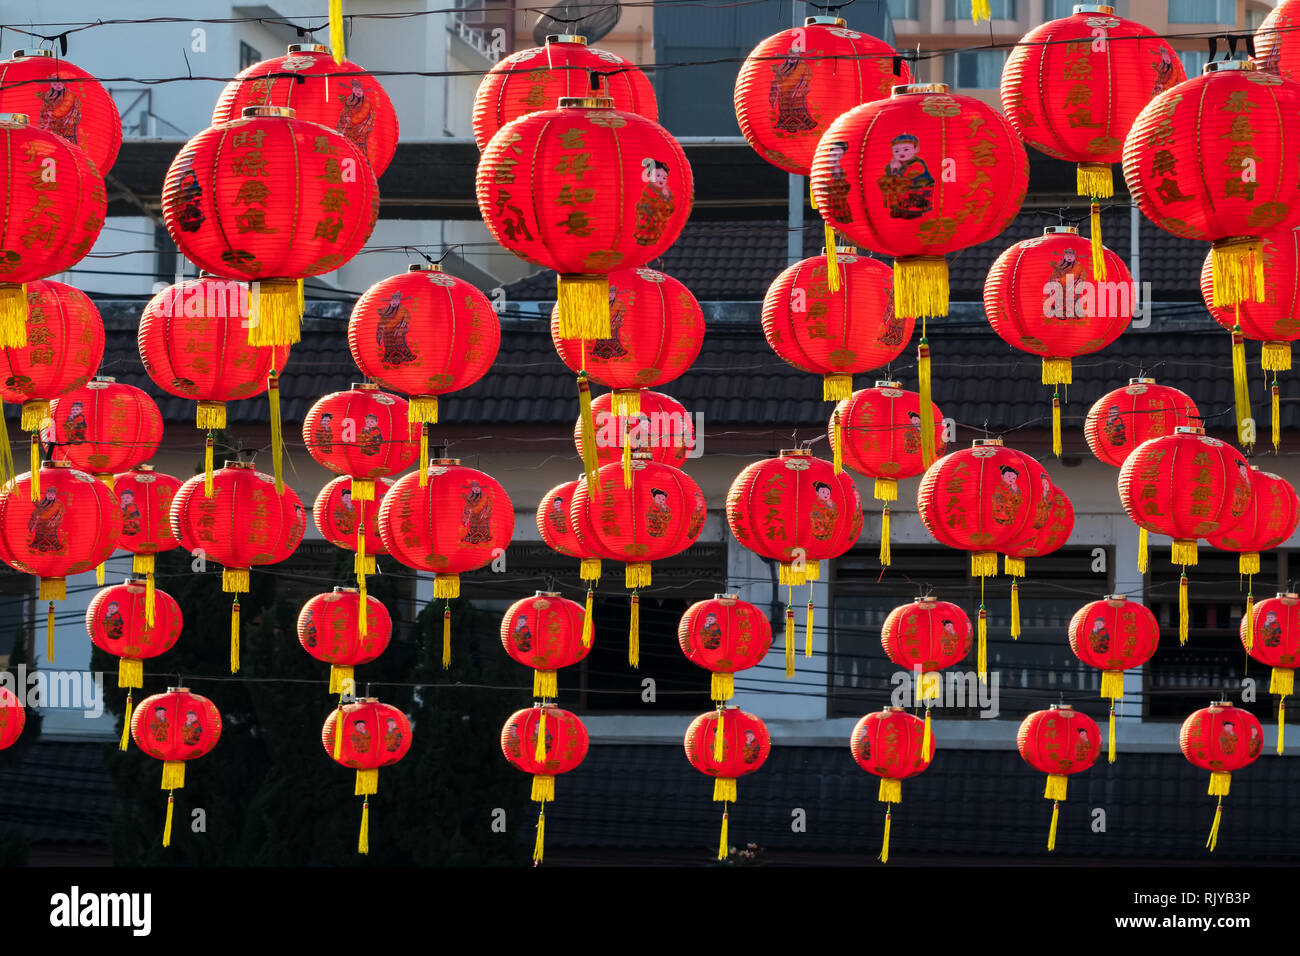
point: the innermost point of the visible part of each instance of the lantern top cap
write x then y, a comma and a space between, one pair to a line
883, 383
237, 464
445, 461
824, 21
586, 102
726, 597
1142, 381
567, 38
19, 54
283, 112
986, 443
1220, 66
143, 468
14, 119
1093, 8
796, 452
892, 710
424, 267
1060, 230
365, 386
1189, 430
1116, 597
1061, 707
843, 250
642, 455
178, 690
924, 599
907, 88
104, 378
56, 464
547, 594
308, 48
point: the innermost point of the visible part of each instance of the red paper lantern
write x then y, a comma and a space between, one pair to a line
193, 342
350, 524
105, 427
726, 744
879, 178
1222, 739
13, 718
662, 427
835, 334
926, 635
796, 510
331, 629
364, 433
307, 79
1058, 742
534, 79
893, 745
1185, 165
545, 632
544, 741
724, 635
1072, 88
555, 526
175, 727
55, 218
65, 100
1121, 420
242, 523
365, 736
117, 623
584, 189
424, 333
656, 330
1046, 296
65, 344
270, 199
796, 82
1051, 526
1275, 320
1271, 635
1113, 635
145, 498
1275, 47
1270, 519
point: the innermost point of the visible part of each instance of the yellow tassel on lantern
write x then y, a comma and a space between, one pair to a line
589, 569
1110, 755
234, 637
718, 736
921, 284
234, 580
341, 680
627, 463
1276, 402
167, 826
1240, 386
1057, 785
543, 788
837, 443
1249, 636
1094, 180
1238, 271
587, 623
926, 407
446, 586
722, 686
980, 10
1094, 231
1057, 371
983, 564
884, 843
812, 571
724, 789
13, 315
336, 42
625, 402
789, 642
446, 638
1220, 783
1213, 839
367, 783
539, 752
583, 304
1184, 552
832, 260
150, 598
885, 553
589, 462
34, 413
99, 574
983, 656
634, 632
1015, 610
926, 737
891, 790
886, 489
1275, 357
1051, 832
1142, 551
808, 631
539, 844
277, 440
545, 684
636, 574
274, 313
130, 672
210, 415
1281, 724
424, 457
207, 467
49, 633
338, 730
173, 775
1056, 425
363, 839
1183, 615
722, 838
422, 408
34, 469
126, 719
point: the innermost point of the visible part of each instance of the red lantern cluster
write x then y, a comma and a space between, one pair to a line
1058, 742
1270, 518
1271, 635
726, 744
555, 525
545, 632
893, 745
175, 727
724, 635
544, 741
333, 628
365, 736
1222, 739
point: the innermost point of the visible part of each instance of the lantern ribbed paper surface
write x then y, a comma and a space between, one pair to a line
71, 528
880, 428
362, 432
1121, 420
105, 427
1114, 634
724, 634
745, 746
1051, 525
175, 727
335, 514
928, 634
1221, 738
1270, 518
62, 98
662, 427
116, 623
65, 344
374, 735
1275, 48
329, 629
13, 718
145, 497
564, 747
888, 743
544, 632
1058, 742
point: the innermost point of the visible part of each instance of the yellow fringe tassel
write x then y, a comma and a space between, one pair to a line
1248, 563
234, 580
587, 623
337, 49
832, 260
836, 387
1184, 552
1051, 832
13, 315
126, 721
1015, 610
539, 753
53, 589
788, 574
167, 826
1094, 180
207, 467
363, 839
1183, 615
234, 637
980, 10
926, 408
634, 633
210, 415
1142, 551
589, 569
1277, 416
35, 467
540, 843
422, 408
722, 837
885, 554
545, 684
1057, 371
1110, 755
1275, 357
424, 456
1281, 725
789, 642
173, 775
338, 730
277, 439
718, 737
274, 313
1057, 786
1240, 386
150, 598
722, 686
583, 302
1213, 839
884, 843
99, 574
1238, 271
1250, 621
1013, 567
921, 284
636, 574
983, 564
341, 680
891, 790
627, 463
367, 783
812, 571
625, 402
808, 631
49, 633
589, 462
1056, 425
837, 442
886, 489
543, 788
1220, 783
724, 790
1098, 253
982, 664
446, 586
446, 638
926, 738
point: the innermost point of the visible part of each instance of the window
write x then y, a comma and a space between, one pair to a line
1058, 9
1255, 17
1002, 9
1193, 61
248, 56
974, 69
1203, 11
903, 10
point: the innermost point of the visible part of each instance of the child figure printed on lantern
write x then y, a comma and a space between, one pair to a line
1043, 510
1069, 277
476, 516
356, 116
192, 729
612, 347
1271, 630
522, 635
711, 631
1163, 68
1255, 744
1114, 429
131, 516
60, 109
912, 434
392, 735
45, 526
787, 93
948, 639
839, 186
75, 426
371, 439
1241, 491
323, 436
906, 184
750, 749
658, 515
557, 516
1082, 746
1099, 638
114, 626
345, 515
360, 737
390, 332
655, 207
1007, 496
1228, 738
308, 629
823, 511
894, 332
159, 725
